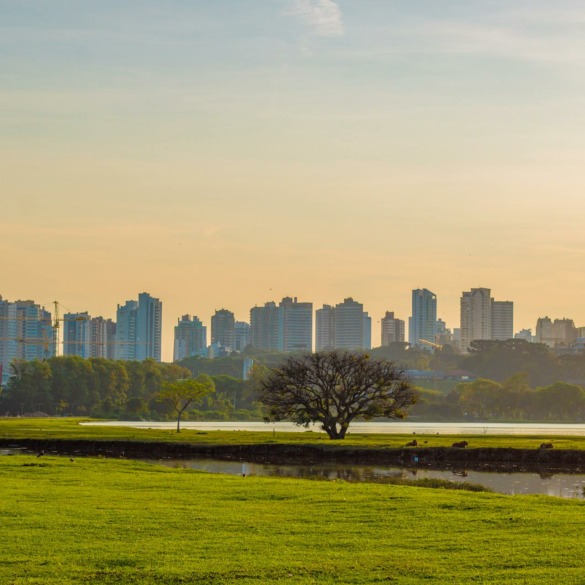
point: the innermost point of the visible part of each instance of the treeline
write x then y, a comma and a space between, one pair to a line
511, 400
495, 360
73, 386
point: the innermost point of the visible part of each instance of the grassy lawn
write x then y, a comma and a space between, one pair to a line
103, 521
68, 428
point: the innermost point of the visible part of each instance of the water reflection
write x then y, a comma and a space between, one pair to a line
564, 485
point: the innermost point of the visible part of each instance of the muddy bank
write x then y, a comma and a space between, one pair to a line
483, 459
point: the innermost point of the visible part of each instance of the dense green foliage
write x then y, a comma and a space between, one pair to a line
120, 522
517, 380
512, 399
180, 394
116, 389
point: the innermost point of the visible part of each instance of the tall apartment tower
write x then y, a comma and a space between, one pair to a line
349, 325
102, 338
34, 332
148, 328
502, 320
139, 329
111, 339
367, 339
126, 331
295, 326
190, 338
476, 316
8, 338
223, 328
241, 335
264, 327
423, 322
325, 328
392, 329
77, 334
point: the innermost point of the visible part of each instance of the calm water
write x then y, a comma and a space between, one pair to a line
562, 485
540, 429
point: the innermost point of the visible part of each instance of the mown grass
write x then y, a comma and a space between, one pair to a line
69, 428
104, 521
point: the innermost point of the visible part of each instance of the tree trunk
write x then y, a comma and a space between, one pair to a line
179, 423
334, 433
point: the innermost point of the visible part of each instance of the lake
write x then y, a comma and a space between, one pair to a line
464, 428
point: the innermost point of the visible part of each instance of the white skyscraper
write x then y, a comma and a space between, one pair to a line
476, 316
502, 320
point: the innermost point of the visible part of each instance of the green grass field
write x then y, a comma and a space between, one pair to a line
69, 428
104, 521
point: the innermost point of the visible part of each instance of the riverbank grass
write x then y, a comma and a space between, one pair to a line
74, 429
105, 521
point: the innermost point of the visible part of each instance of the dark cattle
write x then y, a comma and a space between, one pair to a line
546, 446
460, 444
412, 443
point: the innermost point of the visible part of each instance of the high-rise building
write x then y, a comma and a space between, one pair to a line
349, 325
111, 328
325, 328
392, 329
26, 333
138, 329
264, 327
241, 335
102, 338
190, 338
8, 344
77, 334
295, 325
423, 322
34, 332
223, 329
148, 328
557, 333
367, 339
484, 318
502, 320
476, 316
287, 327
344, 326
126, 331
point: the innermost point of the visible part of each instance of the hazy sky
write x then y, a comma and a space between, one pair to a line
227, 153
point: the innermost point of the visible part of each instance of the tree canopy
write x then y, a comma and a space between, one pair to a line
333, 388
180, 394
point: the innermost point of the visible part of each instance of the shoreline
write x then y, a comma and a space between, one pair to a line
510, 460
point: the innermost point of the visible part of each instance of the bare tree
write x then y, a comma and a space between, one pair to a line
333, 388
182, 393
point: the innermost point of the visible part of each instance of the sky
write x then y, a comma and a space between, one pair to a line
224, 154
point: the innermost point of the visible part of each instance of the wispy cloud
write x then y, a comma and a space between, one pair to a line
322, 16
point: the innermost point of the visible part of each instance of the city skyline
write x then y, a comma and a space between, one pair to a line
129, 310
309, 148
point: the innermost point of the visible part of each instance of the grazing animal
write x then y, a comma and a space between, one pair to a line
546, 446
41, 454
460, 444
412, 443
